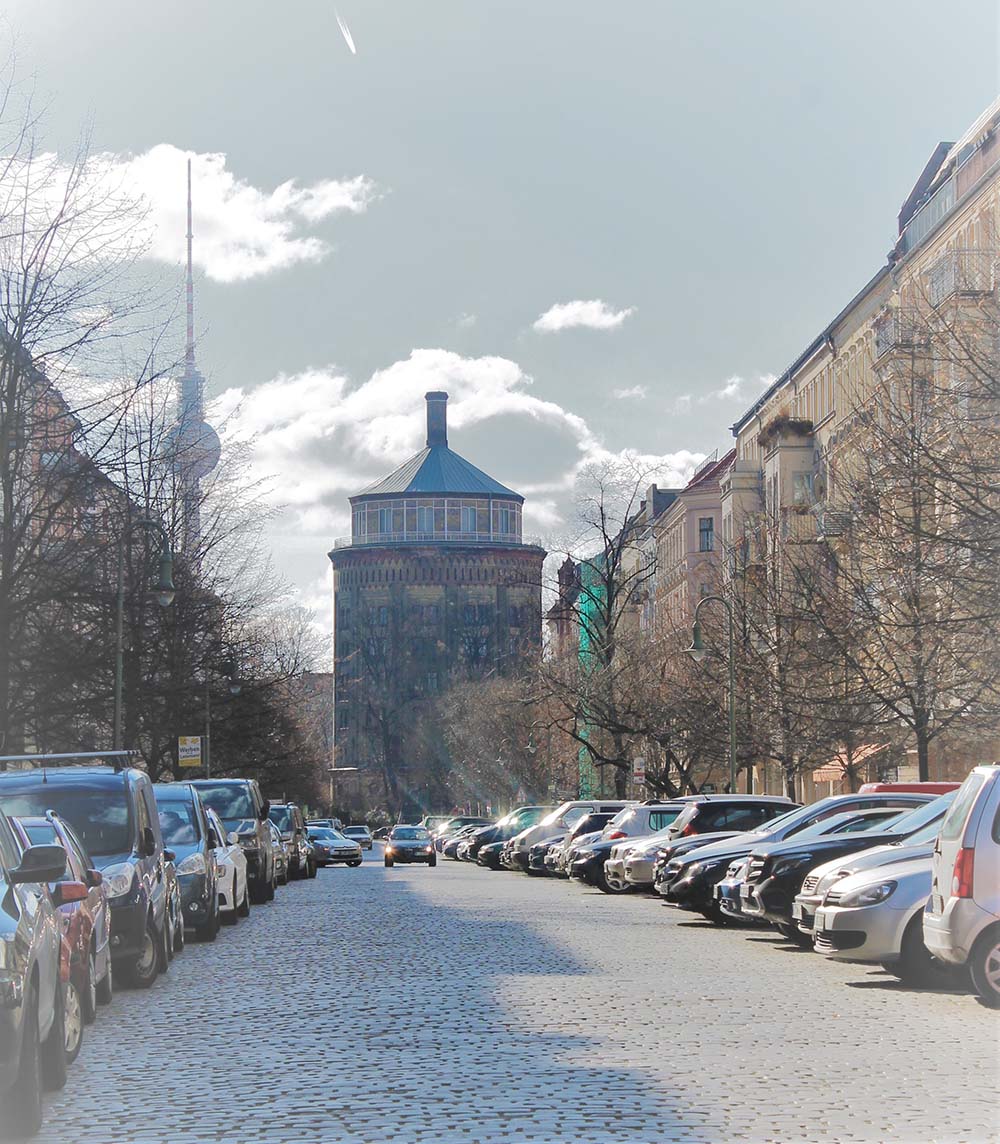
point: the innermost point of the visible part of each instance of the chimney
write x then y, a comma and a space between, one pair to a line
437, 419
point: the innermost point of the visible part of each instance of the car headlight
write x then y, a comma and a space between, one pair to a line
119, 879
192, 864
789, 865
869, 895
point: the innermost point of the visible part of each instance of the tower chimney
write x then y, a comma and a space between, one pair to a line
437, 419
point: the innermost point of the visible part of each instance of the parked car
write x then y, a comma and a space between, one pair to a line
430, 822
287, 817
186, 832
410, 844
448, 845
776, 870
588, 824
503, 829
332, 823
331, 847
912, 837
114, 814
877, 916
587, 863
32, 1034
538, 852
559, 820
361, 835
450, 828
244, 810
281, 855
706, 813
961, 924
86, 926
230, 871
491, 855
680, 883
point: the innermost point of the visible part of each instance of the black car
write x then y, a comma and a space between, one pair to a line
505, 829
287, 817
537, 852
409, 844
735, 813
492, 855
776, 871
114, 813
244, 810
189, 835
689, 880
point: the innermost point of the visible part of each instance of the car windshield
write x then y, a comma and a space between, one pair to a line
230, 801
323, 833
360, 831
930, 813
410, 833
178, 823
282, 817
100, 817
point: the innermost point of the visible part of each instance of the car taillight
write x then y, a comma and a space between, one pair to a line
961, 880
617, 834
688, 830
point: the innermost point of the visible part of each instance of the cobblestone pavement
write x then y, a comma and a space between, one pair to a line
460, 1006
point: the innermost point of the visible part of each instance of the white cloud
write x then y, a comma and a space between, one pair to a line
241, 231
632, 393
738, 388
593, 315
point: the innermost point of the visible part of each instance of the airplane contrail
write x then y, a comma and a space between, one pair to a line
349, 39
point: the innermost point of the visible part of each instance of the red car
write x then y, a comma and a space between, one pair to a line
85, 968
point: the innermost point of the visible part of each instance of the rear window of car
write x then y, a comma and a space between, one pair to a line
953, 826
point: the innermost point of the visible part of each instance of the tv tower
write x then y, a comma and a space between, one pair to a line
196, 447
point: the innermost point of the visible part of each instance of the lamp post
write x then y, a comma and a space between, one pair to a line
165, 593
697, 652
227, 667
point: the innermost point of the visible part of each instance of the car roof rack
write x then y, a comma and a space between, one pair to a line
42, 762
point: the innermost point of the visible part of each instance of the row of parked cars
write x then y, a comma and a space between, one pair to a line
905, 876
103, 877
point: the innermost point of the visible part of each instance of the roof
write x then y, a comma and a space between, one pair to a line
437, 470
711, 472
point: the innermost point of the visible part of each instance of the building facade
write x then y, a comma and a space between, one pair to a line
435, 584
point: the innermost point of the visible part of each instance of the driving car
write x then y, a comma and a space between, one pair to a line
332, 847
410, 844
113, 812
231, 871
360, 834
961, 924
86, 926
32, 1032
244, 810
186, 832
287, 817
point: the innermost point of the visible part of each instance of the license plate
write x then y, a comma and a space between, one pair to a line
745, 892
937, 904
797, 912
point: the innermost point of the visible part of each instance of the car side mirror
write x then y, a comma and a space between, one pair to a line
94, 878
213, 839
40, 864
147, 846
168, 855
232, 838
265, 810
65, 892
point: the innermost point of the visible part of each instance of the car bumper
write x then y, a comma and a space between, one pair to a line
519, 859
773, 901
862, 933
727, 895
639, 871
586, 869
691, 892
128, 929
415, 856
951, 934
804, 912
196, 898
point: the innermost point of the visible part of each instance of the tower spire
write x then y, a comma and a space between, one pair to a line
189, 348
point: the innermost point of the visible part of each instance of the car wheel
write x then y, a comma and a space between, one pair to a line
269, 889
244, 909
917, 965
142, 972
180, 937
984, 966
209, 929
231, 916
88, 990
354, 862
258, 892
54, 1047
21, 1107
105, 988
433, 860
72, 1022
311, 869
388, 861
713, 912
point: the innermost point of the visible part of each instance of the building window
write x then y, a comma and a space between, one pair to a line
468, 519
385, 520
425, 519
802, 488
342, 718
505, 522
706, 533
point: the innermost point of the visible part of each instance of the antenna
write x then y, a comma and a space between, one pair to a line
189, 350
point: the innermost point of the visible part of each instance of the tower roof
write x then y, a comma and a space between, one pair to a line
436, 469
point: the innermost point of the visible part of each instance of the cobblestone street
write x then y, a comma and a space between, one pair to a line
461, 1006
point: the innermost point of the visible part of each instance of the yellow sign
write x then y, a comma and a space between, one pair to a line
189, 751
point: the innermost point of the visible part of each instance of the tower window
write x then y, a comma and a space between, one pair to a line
468, 519
706, 533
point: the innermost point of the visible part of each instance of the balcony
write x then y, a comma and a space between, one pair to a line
961, 273
375, 539
900, 330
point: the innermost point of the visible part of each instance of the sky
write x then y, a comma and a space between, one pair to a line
601, 227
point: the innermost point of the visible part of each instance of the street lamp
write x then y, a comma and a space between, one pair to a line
165, 593
697, 651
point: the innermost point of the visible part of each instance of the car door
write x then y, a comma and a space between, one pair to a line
956, 833
97, 901
151, 865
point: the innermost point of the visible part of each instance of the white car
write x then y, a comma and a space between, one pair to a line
877, 916
962, 920
231, 872
558, 821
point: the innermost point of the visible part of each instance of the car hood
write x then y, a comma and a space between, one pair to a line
549, 841
877, 856
915, 872
731, 846
103, 861
681, 847
182, 852
845, 843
